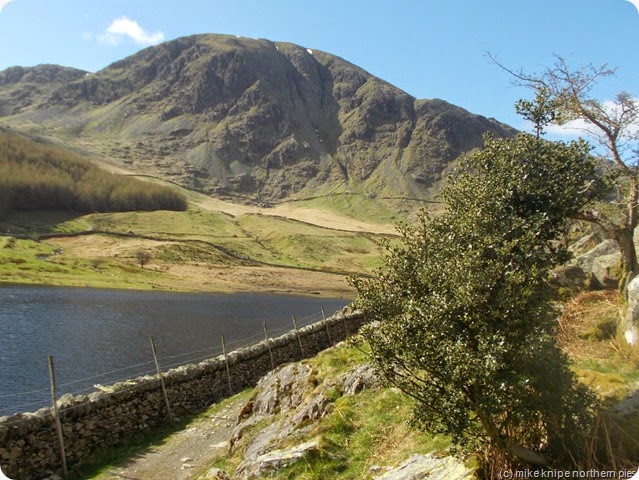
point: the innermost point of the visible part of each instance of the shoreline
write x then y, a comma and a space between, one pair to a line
270, 280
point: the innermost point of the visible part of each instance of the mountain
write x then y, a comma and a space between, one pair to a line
21, 88
252, 120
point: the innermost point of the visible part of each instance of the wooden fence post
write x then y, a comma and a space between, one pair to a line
268, 344
328, 331
299, 339
346, 332
226, 362
157, 366
56, 416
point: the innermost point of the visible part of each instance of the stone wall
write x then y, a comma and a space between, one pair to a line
28, 442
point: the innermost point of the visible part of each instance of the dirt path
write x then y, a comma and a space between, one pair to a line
186, 454
320, 218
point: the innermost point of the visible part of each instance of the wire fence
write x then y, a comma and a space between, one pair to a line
89, 384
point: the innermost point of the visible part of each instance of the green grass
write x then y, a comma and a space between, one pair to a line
611, 378
190, 253
194, 237
355, 205
32, 262
39, 222
192, 224
363, 431
293, 243
262, 238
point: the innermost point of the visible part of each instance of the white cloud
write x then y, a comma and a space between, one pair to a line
124, 27
581, 127
635, 3
3, 3
573, 128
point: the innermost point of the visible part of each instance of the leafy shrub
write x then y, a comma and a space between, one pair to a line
466, 323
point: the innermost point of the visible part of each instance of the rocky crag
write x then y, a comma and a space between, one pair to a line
252, 120
282, 425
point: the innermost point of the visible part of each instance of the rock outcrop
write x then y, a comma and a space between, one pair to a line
431, 467
630, 324
249, 119
597, 268
289, 400
286, 407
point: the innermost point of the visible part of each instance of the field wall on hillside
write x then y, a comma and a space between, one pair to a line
28, 443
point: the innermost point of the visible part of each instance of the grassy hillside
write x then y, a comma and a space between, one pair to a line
40, 177
300, 247
203, 250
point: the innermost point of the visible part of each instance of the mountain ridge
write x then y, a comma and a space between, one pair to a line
252, 120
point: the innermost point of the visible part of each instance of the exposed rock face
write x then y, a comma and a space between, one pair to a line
238, 116
280, 391
291, 398
359, 379
421, 467
24, 87
273, 461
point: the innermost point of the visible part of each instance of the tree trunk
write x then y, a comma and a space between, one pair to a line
523, 454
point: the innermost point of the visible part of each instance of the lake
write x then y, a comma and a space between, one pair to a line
99, 336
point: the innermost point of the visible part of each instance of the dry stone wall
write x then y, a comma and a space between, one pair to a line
28, 443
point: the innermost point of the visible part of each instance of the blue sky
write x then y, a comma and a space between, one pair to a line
429, 48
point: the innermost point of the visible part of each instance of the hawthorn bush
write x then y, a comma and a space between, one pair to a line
464, 314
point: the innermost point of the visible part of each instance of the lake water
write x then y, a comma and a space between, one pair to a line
101, 336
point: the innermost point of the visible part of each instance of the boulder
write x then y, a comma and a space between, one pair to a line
607, 247
360, 378
602, 262
584, 244
271, 462
569, 276
630, 324
598, 268
606, 269
216, 474
431, 467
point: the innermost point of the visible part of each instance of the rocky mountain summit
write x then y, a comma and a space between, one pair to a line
21, 88
252, 120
